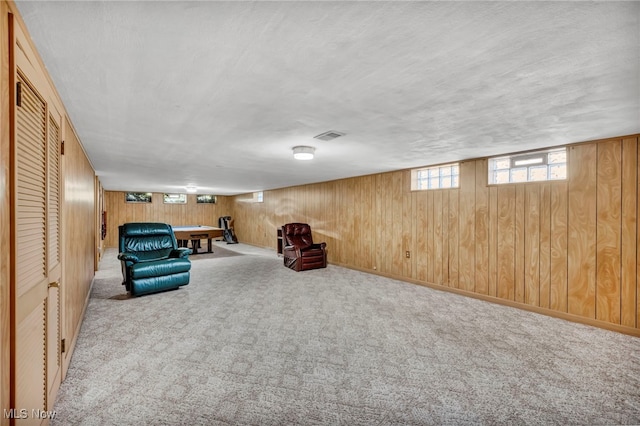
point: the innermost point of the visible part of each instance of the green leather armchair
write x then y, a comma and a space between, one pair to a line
151, 259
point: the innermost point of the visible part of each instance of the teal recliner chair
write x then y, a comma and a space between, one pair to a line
151, 259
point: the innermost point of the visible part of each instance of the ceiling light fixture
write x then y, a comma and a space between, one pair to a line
303, 152
191, 188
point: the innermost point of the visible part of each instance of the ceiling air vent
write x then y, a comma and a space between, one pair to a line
327, 136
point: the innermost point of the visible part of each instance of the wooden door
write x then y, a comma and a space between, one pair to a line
54, 264
37, 264
31, 272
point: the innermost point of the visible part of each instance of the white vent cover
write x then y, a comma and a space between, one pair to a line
327, 136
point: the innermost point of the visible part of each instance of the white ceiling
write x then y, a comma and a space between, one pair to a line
166, 94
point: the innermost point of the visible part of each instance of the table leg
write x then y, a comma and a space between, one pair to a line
209, 249
194, 246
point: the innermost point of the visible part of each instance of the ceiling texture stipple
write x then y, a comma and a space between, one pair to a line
216, 94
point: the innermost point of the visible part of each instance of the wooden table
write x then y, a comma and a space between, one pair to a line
184, 234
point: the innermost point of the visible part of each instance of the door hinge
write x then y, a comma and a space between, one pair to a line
62, 148
63, 346
19, 94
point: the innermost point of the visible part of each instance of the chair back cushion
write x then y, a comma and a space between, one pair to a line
147, 240
298, 235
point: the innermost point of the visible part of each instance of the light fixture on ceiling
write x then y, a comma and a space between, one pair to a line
192, 188
303, 152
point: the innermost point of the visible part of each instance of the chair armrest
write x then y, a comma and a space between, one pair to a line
319, 245
130, 257
181, 252
294, 249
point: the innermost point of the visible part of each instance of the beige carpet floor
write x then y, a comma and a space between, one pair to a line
249, 342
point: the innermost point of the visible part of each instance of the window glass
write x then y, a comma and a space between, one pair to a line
529, 167
558, 171
519, 174
437, 177
538, 173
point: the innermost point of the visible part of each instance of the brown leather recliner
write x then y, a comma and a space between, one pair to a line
300, 253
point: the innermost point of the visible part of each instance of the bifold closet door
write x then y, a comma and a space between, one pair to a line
37, 255
54, 263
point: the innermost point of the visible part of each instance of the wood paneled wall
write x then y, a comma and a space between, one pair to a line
79, 241
192, 213
5, 223
564, 248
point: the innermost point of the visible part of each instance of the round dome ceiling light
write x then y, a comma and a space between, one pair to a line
303, 152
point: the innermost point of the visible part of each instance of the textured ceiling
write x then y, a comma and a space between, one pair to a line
215, 94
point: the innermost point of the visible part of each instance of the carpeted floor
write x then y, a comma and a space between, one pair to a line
249, 342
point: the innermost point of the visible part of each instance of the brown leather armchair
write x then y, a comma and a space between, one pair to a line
300, 253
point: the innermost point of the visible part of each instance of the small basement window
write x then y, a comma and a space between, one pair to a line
437, 177
529, 167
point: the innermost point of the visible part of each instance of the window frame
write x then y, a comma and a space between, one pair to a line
206, 199
527, 165
454, 177
174, 198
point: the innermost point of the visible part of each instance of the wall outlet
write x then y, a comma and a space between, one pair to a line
407, 254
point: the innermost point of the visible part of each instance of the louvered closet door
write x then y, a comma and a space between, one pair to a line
54, 362
32, 281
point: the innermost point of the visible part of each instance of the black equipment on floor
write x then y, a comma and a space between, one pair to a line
226, 223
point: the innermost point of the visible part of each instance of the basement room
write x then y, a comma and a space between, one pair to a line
319, 213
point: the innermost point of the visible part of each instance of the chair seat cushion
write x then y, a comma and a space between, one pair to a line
160, 267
